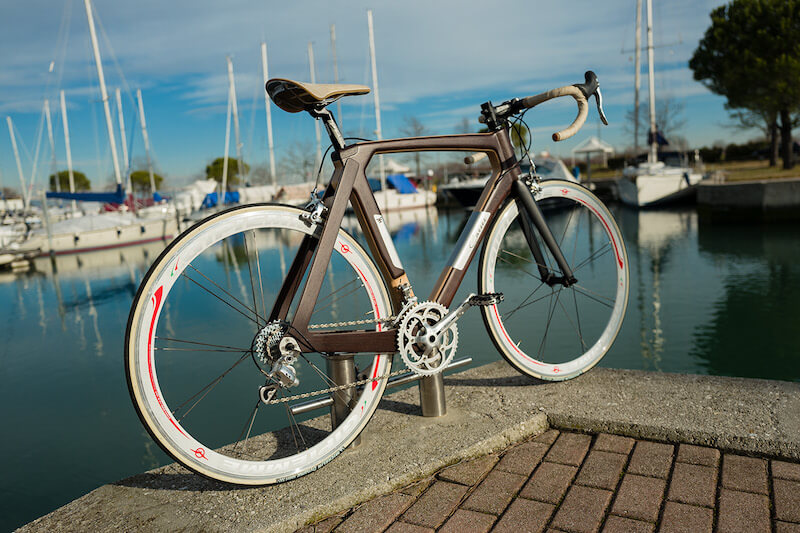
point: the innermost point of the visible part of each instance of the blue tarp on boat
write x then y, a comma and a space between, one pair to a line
116, 197
231, 197
398, 182
401, 183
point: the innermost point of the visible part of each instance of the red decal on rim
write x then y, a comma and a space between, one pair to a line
345, 249
377, 317
614, 242
200, 453
156, 301
565, 191
503, 329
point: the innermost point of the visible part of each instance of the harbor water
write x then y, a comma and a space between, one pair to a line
705, 298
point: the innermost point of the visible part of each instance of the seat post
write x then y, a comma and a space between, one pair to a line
330, 125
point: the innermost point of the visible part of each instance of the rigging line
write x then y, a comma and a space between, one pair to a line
61, 48
111, 52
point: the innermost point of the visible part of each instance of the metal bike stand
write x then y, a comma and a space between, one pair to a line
342, 371
431, 395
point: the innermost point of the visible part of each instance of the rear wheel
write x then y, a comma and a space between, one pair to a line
556, 332
198, 348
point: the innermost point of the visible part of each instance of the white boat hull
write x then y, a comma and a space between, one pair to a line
391, 200
647, 190
139, 232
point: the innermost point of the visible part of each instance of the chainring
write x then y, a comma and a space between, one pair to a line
424, 315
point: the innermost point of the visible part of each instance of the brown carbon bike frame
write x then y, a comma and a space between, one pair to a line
349, 183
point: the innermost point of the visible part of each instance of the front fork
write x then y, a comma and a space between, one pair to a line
530, 217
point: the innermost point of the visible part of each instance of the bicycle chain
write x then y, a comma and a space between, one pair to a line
346, 385
337, 388
353, 323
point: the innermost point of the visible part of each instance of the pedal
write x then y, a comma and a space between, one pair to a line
490, 298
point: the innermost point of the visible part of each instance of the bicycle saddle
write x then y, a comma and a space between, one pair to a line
295, 96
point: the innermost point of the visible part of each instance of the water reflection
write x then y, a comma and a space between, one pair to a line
650, 236
705, 298
752, 327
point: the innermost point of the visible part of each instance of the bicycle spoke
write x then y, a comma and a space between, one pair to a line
549, 321
597, 254
594, 296
577, 329
578, 316
224, 291
208, 388
251, 250
506, 317
248, 426
316, 310
209, 291
231, 348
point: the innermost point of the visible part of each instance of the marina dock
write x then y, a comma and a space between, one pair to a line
744, 423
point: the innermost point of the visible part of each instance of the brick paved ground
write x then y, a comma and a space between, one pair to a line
571, 482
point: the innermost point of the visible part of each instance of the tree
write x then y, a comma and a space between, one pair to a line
669, 118
298, 163
140, 180
82, 183
751, 55
766, 121
414, 128
520, 135
214, 170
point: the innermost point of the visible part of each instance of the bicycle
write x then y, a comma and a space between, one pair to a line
321, 321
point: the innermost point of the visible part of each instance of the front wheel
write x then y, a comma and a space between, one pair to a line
199, 349
556, 332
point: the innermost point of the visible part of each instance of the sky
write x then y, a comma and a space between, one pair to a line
437, 61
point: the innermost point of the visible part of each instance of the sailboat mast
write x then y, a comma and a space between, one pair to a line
313, 71
122, 138
19, 163
224, 184
69, 150
52, 143
336, 74
103, 92
235, 111
146, 139
637, 76
653, 155
375, 94
265, 70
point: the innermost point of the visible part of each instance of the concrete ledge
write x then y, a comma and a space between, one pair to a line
778, 198
488, 408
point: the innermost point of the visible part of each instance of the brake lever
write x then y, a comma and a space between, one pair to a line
598, 96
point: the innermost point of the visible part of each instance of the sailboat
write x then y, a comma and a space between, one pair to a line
654, 183
102, 230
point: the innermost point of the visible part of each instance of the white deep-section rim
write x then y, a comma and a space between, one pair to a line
141, 360
582, 362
